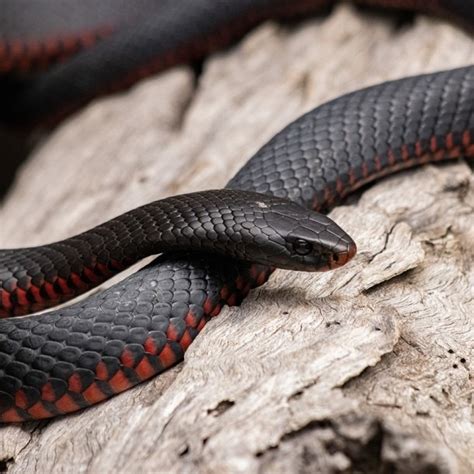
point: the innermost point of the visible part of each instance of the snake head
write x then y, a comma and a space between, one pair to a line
247, 226
324, 249
308, 241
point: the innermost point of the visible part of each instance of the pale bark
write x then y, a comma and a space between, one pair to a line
366, 368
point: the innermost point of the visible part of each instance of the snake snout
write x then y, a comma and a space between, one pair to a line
342, 254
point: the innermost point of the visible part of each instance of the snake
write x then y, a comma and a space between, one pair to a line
215, 246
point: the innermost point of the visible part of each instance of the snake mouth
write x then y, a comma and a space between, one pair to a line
339, 259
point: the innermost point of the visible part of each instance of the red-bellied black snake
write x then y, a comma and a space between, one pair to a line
70, 358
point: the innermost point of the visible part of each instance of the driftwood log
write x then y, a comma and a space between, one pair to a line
367, 369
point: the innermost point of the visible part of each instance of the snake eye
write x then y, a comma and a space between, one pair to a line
302, 247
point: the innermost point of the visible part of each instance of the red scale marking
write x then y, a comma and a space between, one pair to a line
62, 283
91, 276
405, 153
35, 292
34, 49
93, 394
101, 268
16, 49
51, 46
378, 163
449, 140
232, 300
262, 278
77, 281
144, 369
207, 306
50, 291
21, 297
150, 346
11, 416
339, 187
38, 411
167, 356
47, 392
391, 159
119, 382
418, 149
190, 319
433, 144
6, 301
171, 333
315, 204
70, 44
328, 197
101, 371
66, 404
365, 170
352, 178
454, 152
74, 383
216, 310
224, 293
21, 400
127, 358
254, 271
201, 324
87, 39
466, 138
185, 340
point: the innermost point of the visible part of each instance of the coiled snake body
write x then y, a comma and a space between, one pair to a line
70, 358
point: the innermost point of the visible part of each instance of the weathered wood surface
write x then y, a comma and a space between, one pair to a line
366, 368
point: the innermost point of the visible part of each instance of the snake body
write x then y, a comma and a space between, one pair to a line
110, 47
244, 225
70, 358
